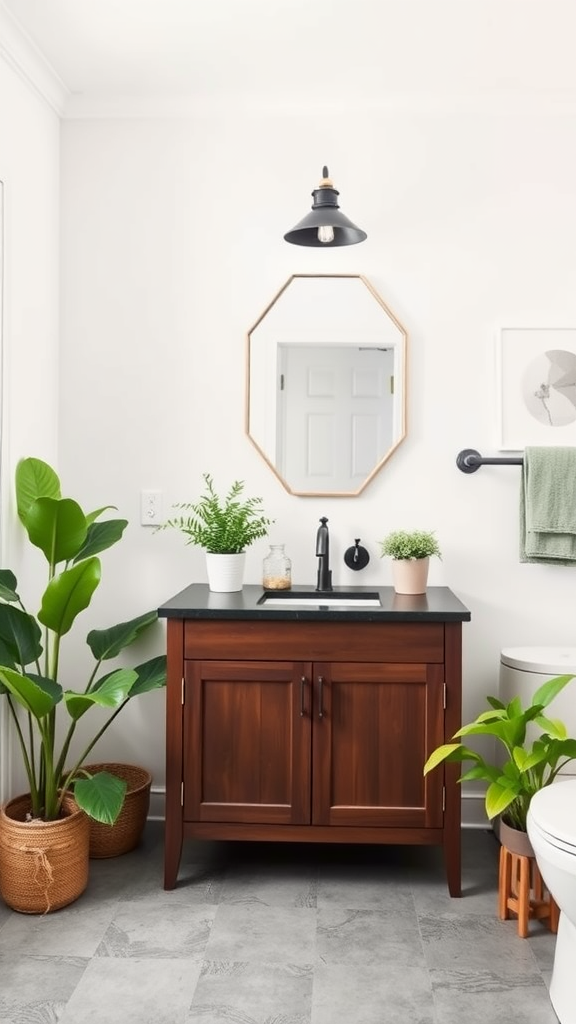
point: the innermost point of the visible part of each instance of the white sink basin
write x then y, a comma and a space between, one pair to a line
314, 600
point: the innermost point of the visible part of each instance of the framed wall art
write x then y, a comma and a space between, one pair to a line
536, 387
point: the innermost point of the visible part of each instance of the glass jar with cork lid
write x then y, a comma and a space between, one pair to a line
277, 569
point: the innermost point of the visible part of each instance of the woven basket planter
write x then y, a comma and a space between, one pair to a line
126, 832
43, 864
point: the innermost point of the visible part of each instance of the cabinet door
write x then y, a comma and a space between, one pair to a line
374, 726
247, 745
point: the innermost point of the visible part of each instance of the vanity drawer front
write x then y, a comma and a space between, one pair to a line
421, 642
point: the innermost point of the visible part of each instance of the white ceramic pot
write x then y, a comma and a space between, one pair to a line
410, 575
225, 572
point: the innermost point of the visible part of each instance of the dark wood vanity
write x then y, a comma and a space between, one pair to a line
312, 725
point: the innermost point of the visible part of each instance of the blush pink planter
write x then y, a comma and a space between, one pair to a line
410, 575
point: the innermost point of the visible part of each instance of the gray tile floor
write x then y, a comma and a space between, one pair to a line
267, 934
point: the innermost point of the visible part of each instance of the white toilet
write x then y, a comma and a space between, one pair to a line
552, 814
551, 828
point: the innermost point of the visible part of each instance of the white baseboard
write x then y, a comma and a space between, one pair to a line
474, 811
157, 803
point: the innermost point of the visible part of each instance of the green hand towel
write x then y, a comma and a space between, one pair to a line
548, 506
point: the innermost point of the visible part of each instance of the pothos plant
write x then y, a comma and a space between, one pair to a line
525, 763
221, 525
32, 648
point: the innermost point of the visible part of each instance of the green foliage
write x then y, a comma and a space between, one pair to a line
525, 766
414, 544
31, 648
222, 526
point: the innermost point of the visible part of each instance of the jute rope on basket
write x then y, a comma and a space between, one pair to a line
43, 873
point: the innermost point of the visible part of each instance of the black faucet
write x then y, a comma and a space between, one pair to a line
323, 554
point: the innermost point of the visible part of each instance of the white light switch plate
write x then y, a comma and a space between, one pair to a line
151, 508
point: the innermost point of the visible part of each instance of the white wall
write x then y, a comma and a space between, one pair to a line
29, 169
171, 248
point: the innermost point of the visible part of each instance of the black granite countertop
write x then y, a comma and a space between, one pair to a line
438, 604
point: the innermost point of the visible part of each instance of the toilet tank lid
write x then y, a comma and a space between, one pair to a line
557, 660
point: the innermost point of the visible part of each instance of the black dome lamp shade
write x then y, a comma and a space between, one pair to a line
325, 225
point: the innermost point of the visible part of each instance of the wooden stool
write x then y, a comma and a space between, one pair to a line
521, 890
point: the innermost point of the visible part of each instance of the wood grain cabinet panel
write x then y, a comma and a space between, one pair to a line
311, 732
373, 729
246, 743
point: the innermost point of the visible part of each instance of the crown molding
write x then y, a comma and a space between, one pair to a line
22, 55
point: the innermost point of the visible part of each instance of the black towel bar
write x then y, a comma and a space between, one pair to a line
469, 460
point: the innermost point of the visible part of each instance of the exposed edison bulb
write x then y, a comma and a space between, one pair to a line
325, 233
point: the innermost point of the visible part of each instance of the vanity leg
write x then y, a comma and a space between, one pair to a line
453, 862
172, 854
452, 790
174, 829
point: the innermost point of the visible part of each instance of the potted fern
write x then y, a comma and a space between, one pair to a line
224, 526
44, 834
410, 552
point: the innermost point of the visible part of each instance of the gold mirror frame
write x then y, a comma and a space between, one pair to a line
331, 318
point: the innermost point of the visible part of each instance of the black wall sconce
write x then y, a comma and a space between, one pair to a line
325, 225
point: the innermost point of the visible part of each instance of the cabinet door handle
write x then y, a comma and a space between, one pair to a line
302, 695
320, 689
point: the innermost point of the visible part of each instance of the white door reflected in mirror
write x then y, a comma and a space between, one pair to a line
335, 414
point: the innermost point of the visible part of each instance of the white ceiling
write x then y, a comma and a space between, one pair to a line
303, 51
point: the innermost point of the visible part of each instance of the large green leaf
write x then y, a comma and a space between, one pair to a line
495, 702
527, 759
107, 643
92, 516
481, 771
492, 728
498, 798
552, 727
101, 536
514, 708
113, 692
151, 675
550, 689
565, 749
68, 594
101, 796
8, 584
7, 660
36, 699
20, 636
448, 752
50, 687
57, 527
496, 714
34, 479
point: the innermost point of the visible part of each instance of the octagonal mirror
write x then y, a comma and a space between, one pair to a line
326, 384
